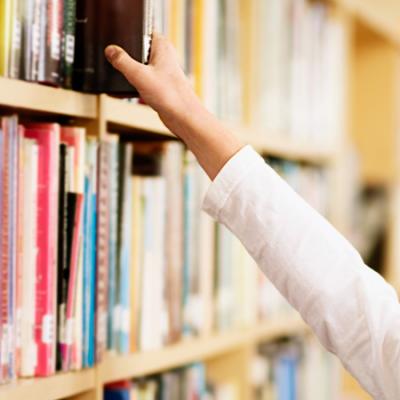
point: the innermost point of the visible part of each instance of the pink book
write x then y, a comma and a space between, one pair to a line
48, 139
20, 231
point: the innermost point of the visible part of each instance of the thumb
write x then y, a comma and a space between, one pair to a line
121, 61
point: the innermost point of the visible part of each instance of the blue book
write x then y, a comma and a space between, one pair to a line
286, 376
89, 265
117, 394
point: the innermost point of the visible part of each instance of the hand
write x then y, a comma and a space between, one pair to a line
162, 83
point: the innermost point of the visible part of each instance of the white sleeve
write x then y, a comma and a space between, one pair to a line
352, 310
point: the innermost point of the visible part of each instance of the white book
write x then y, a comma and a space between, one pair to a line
29, 254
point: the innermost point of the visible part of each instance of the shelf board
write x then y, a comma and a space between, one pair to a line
137, 117
118, 367
45, 99
381, 16
141, 118
54, 387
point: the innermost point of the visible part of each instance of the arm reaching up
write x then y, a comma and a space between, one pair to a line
352, 310
164, 87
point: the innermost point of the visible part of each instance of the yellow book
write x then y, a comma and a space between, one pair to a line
199, 25
5, 35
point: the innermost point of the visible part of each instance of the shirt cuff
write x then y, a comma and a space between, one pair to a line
231, 174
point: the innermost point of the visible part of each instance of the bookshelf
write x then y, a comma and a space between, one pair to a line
105, 114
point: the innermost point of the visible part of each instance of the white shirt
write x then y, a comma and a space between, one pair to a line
351, 308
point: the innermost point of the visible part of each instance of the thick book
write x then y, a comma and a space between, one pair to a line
127, 23
48, 138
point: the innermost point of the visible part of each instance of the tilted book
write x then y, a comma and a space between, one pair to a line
126, 23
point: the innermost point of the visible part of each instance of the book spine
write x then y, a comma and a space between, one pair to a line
62, 273
112, 245
5, 38
102, 250
13, 237
68, 43
29, 216
45, 331
5, 242
73, 287
53, 22
16, 40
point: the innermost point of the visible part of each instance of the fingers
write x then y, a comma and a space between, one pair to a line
120, 60
160, 48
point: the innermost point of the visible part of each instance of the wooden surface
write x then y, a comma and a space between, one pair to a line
130, 366
44, 99
52, 388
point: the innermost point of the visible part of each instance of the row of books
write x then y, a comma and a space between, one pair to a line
37, 40
278, 64
103, 246
294, 369
182, 384
288, 369
280, 68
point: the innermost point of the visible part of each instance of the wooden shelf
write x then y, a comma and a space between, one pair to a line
134, 116
381, 16
52, 388
44, 99
115, 368
141, 118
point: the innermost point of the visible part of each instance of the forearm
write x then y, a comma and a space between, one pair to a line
210, 141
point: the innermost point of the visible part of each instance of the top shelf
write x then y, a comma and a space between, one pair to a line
16, 94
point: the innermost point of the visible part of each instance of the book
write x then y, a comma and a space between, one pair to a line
68, 42
29, 252
123, 23
48, 139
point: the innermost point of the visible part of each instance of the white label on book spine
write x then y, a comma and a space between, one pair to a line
69, 48
69, 329
48, 329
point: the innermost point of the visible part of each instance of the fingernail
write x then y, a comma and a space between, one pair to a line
110, 52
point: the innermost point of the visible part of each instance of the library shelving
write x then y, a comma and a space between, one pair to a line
369, 25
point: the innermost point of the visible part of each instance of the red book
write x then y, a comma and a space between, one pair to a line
48, 139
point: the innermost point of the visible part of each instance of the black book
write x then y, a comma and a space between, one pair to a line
62, 278
99, 23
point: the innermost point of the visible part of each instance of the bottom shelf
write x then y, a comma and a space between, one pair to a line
119, 367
